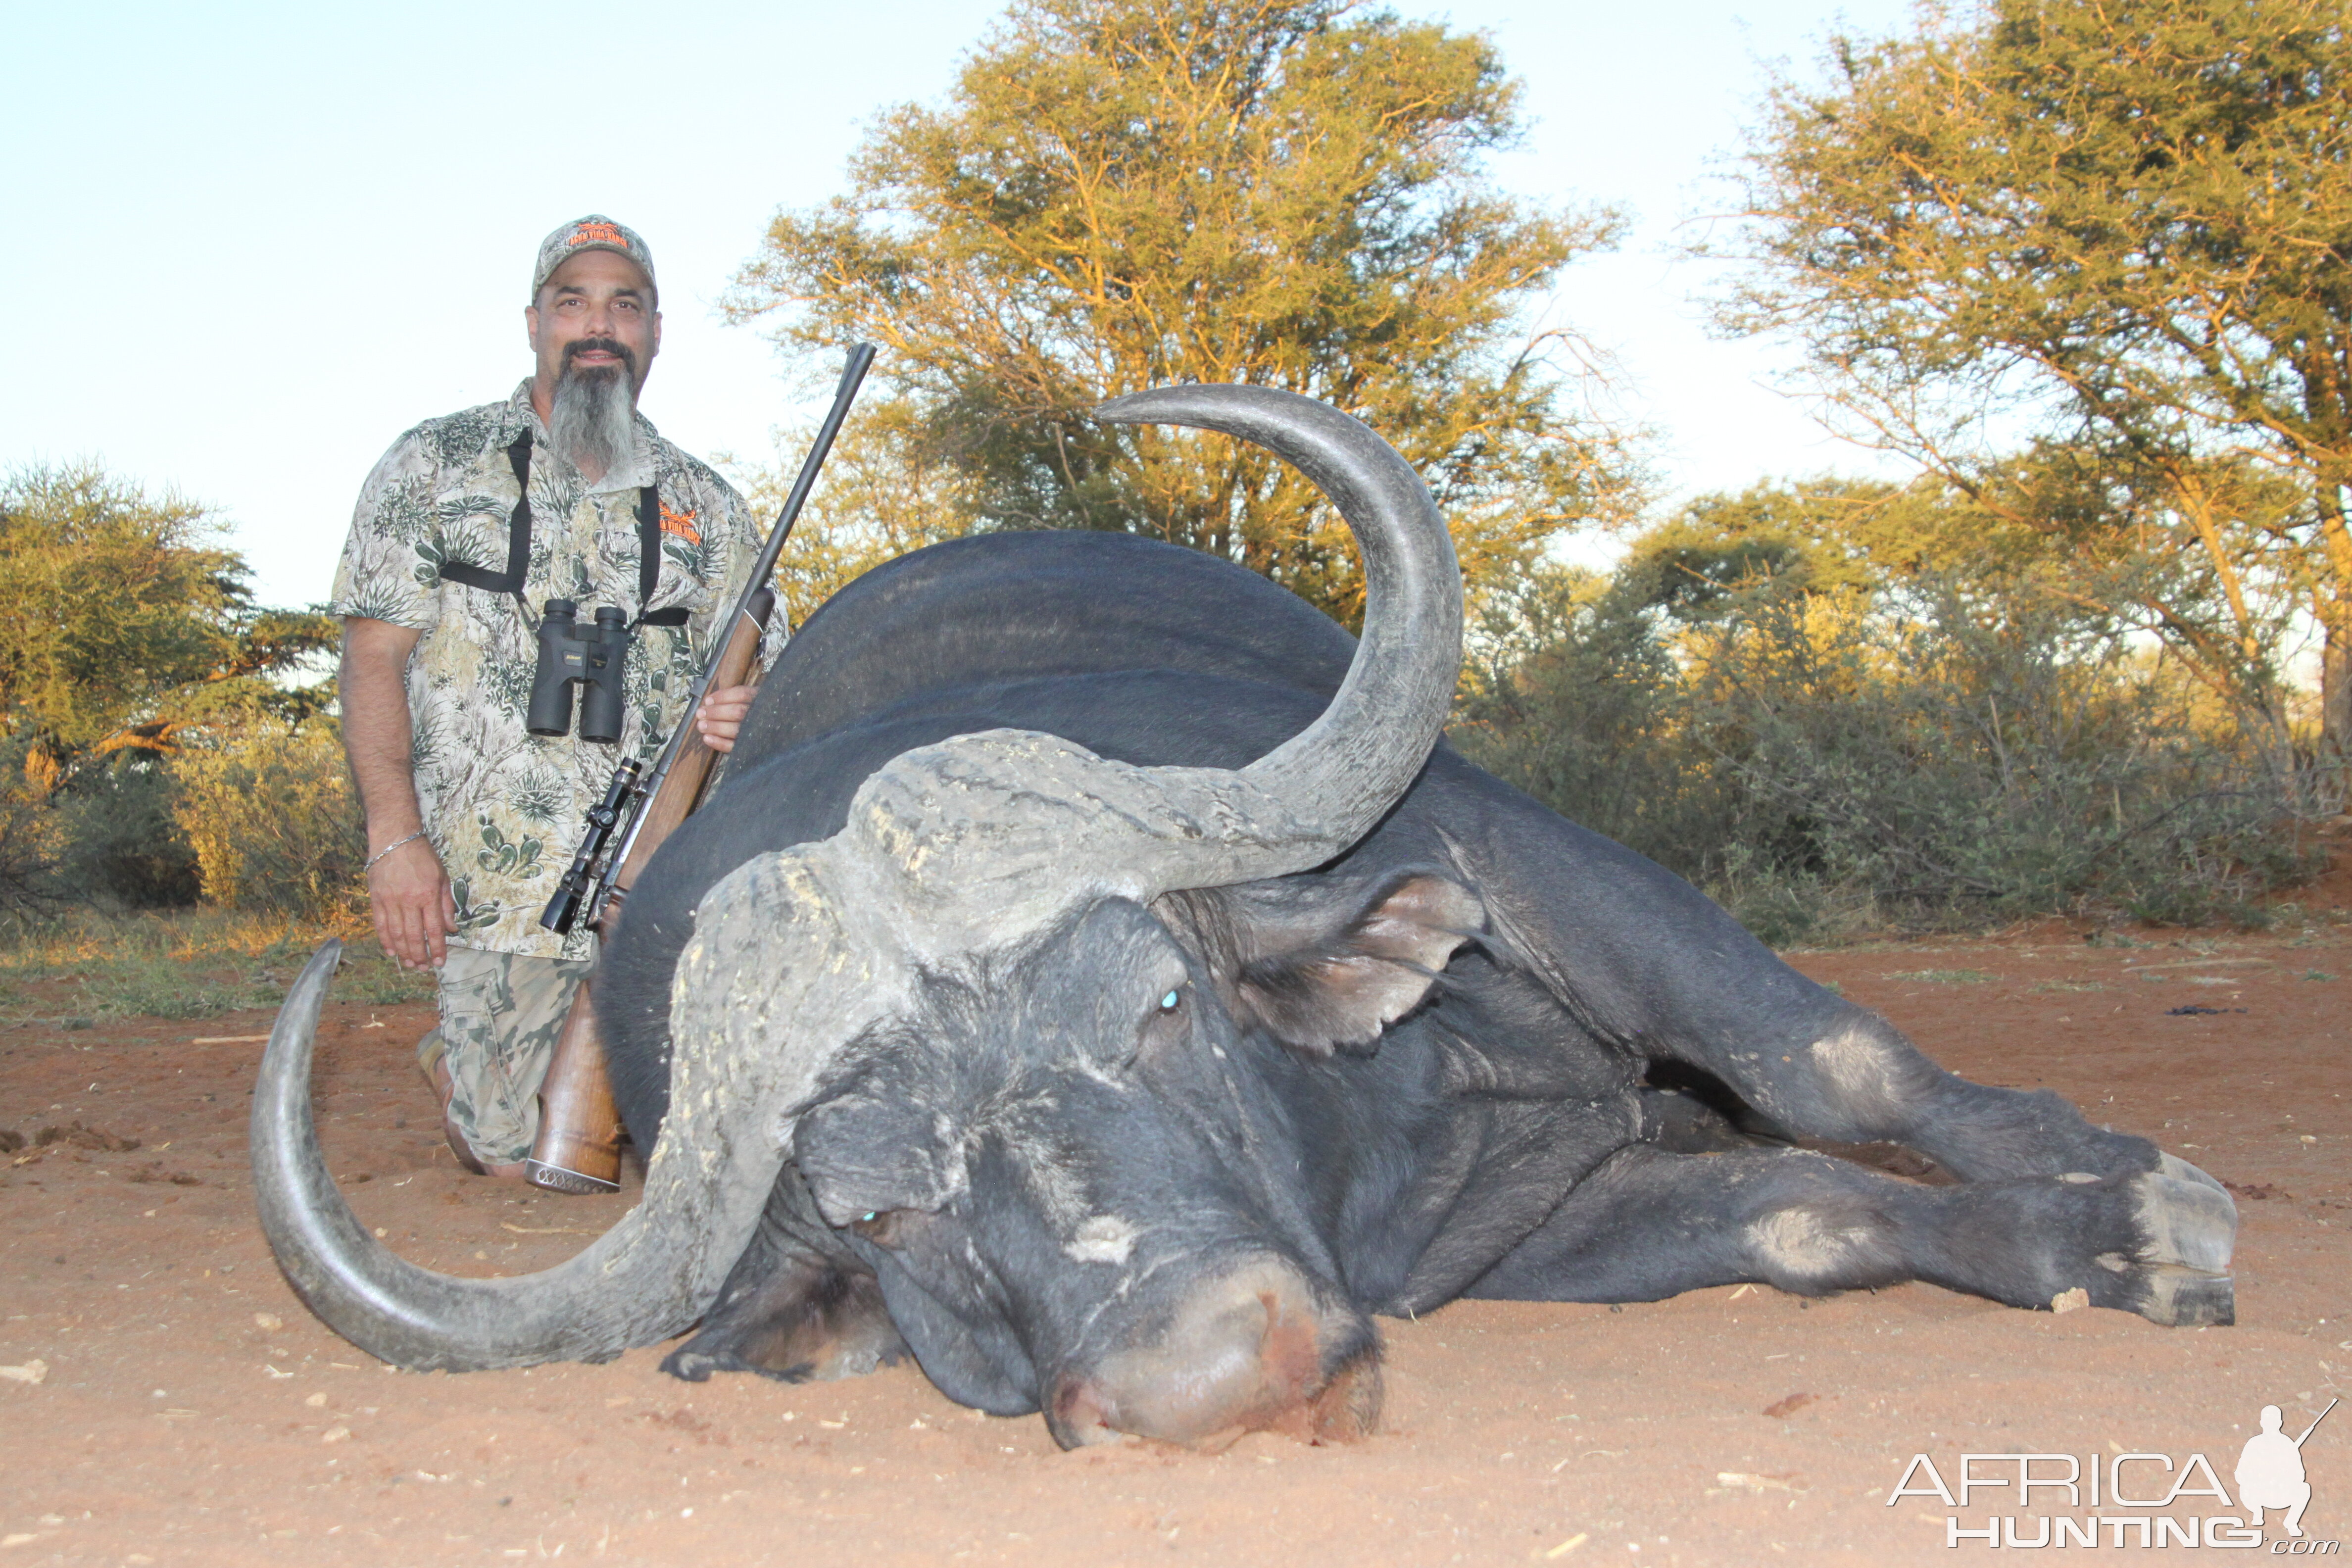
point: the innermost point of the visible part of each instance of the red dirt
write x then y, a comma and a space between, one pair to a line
192, 1413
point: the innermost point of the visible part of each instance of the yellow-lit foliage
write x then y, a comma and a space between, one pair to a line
1125, 193
2113, 233
125, 624
268, 810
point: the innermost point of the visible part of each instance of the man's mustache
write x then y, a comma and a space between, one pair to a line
614, 346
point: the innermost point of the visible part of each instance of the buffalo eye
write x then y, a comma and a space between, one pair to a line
1166, 1019
880, 1227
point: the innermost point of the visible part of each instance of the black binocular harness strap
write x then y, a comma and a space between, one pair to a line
519, 548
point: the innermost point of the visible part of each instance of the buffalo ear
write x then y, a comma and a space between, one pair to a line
1337, 987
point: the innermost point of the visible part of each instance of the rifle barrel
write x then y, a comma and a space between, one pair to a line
852, 375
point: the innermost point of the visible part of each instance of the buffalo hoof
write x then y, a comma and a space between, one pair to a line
2178, 1274
2187, 1298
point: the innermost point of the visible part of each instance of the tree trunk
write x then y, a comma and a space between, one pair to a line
2335, 690
2333, 603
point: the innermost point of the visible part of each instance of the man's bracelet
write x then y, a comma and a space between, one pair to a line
388, 849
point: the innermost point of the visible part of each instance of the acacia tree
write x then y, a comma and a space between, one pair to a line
1123, 193
124, 624
2120, 231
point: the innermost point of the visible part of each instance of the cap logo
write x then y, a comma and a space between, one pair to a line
592, 231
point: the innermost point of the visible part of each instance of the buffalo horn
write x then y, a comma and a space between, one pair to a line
1341, 775
645, 1278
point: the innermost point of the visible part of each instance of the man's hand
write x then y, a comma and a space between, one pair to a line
408, 893
720, 716
408, 896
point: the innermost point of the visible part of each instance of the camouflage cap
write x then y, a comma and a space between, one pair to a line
594, 232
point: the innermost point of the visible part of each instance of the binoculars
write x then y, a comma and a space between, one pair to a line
591, 658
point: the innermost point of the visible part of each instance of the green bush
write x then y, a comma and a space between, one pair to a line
121, 842
271, 815
1580, 704
1926, 759
1966, 764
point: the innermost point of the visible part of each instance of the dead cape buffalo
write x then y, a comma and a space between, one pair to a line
1095, 980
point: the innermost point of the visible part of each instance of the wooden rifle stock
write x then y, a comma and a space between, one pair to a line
578, 1149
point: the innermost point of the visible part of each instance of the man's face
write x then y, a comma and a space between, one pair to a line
594, 312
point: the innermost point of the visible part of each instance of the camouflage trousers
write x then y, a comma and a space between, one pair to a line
500, 1013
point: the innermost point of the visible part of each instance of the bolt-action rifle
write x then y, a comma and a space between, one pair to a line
578, 1145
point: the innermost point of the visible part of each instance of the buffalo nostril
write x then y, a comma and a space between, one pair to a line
1301, 1398
1348, 1406
1079, 1415
1289, 1358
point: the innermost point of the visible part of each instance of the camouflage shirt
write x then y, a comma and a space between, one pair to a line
503, 806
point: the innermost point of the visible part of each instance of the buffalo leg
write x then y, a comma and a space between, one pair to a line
797, 1306
1648, 1225
1857, 1080
1643, 959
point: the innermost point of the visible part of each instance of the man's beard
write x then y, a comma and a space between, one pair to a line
594, 417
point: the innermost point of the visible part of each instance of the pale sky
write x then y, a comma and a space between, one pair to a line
251, 243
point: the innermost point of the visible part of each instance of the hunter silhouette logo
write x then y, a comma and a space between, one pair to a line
2270, 1471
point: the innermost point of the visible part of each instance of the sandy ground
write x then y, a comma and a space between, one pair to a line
189, 1411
